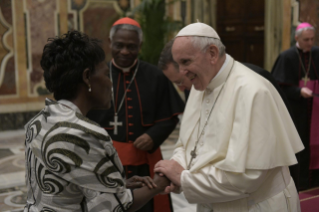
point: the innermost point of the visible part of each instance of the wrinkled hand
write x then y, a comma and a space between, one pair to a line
138, 182
306, 92
144, 142
171, 169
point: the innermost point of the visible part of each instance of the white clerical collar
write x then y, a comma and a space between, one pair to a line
224, 65
222, 74
70, 105
297, 45
222, 68
125, 70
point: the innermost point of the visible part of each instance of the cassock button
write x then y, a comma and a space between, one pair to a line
131, 133
130, 107
129, 90
208, 91
127, 82
129, 99
201, 143
207, 112
130, 116
207, 101
130, 124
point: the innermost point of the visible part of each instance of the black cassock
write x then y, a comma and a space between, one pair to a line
151, 106
288, 72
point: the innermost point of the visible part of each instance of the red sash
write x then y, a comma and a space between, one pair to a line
314, 127
130, 155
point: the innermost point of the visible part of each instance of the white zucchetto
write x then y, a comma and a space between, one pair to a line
198, 29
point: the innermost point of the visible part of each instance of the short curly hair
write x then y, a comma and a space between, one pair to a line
65, 58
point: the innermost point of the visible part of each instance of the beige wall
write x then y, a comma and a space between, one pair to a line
309, 12
25, 26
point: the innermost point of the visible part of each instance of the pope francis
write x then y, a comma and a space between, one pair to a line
236, 139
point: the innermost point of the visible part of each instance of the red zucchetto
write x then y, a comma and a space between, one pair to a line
127, 20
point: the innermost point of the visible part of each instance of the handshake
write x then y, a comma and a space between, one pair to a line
167, 174
166, 179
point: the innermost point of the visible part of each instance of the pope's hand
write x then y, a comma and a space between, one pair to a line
138, 182
171, 169
306, 92
144, 142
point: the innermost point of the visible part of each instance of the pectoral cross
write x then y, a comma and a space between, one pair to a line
193, 154
115, 123
305, 79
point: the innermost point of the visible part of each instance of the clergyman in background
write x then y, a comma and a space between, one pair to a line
145, 107
170, 69
297, 72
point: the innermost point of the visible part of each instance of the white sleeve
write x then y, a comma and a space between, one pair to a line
212, 185
179, 154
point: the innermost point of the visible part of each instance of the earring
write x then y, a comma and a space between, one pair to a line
90, 88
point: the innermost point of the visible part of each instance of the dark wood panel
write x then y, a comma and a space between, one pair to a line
234, 47
230, 29
254, 52
240, 24
255, 8
229, 9
240, 9
256, 29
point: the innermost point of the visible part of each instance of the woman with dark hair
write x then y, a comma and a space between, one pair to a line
71, 164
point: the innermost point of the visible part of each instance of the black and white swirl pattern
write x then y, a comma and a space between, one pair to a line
46, 209
109, 182
125, 206
90, 194
103, 169
55, 158
73, 189
32, 131
47, 181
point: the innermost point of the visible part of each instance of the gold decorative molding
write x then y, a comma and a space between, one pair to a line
295, 12
63, 6
20, 47
286, 30
6, 44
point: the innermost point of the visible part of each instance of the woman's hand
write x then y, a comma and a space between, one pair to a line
138, 182
161, 181
172, 188
144, 194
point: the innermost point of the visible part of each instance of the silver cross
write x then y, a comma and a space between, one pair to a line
193, 154
115, 123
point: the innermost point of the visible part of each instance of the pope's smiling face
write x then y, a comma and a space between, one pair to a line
193, 63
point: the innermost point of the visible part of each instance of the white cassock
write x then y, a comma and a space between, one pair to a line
245, 150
